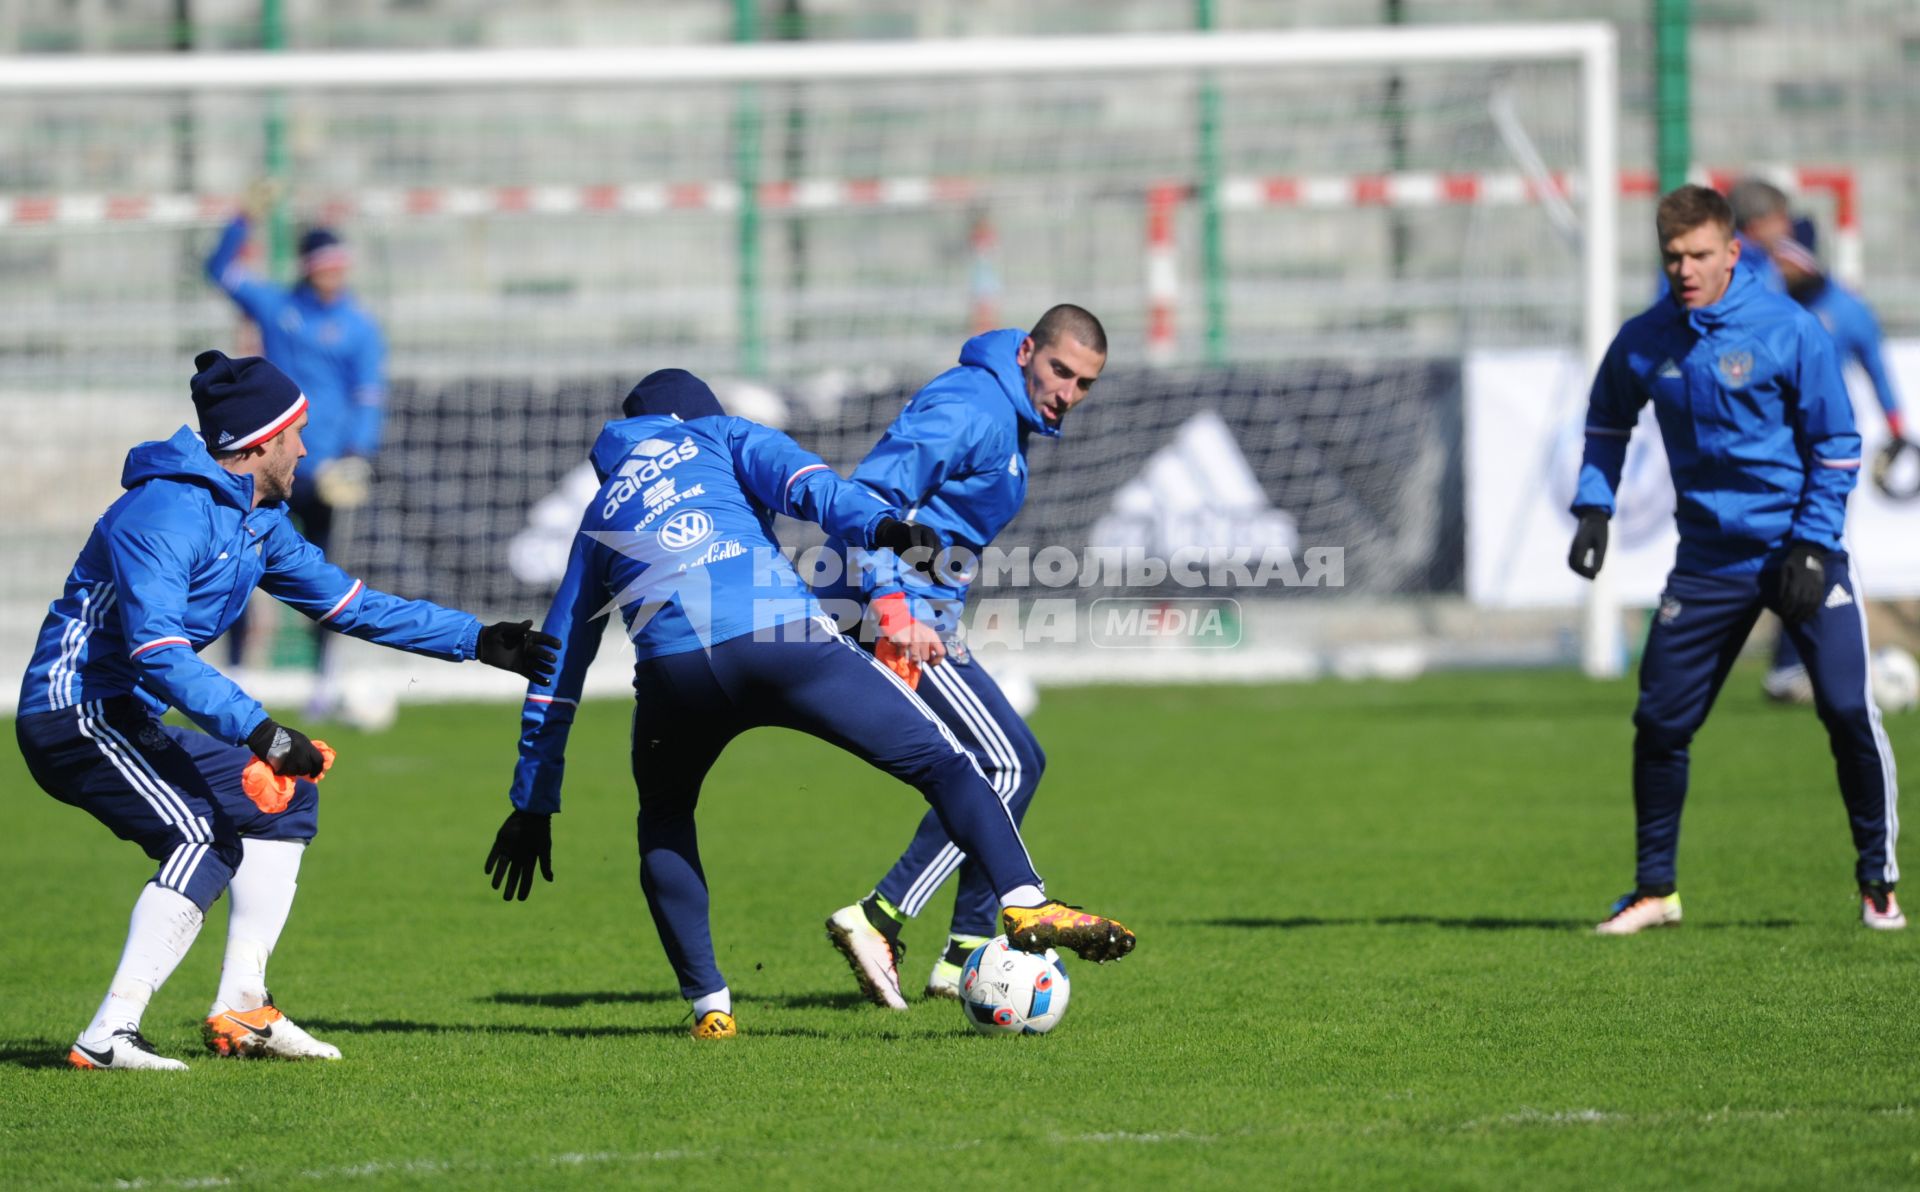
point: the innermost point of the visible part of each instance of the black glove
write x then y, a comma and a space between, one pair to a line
285, 749
1589, 544
904, 538
526, 837
1803, 581
519, 648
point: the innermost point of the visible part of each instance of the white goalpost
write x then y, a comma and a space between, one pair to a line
1295, 240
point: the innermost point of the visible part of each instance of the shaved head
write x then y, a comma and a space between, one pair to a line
1072, 321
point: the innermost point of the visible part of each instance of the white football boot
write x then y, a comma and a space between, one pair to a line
870, 953
264, 1033
1633, 913
1880, 910
124, 1050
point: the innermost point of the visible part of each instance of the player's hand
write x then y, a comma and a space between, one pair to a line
1803, 581
917, 545
344, 483
526, 837
1589, 544
520, 648
262, 195
286, 750
916, 641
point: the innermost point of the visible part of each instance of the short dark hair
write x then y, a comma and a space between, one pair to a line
1072, 321
1688, 207
1755, 198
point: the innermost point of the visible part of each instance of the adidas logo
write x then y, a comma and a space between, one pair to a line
226, 436
1197, 490
1669, 369
1838, 598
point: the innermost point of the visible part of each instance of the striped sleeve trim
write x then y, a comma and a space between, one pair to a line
344, 601
1610, 432
1847, 465
156, 643
553, 699
803, 472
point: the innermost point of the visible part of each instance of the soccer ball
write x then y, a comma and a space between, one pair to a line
1008, 992
1896, 679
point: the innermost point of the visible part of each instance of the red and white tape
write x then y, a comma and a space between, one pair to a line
1402, 189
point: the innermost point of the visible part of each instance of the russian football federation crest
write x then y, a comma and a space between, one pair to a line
1669, 609
1736, 368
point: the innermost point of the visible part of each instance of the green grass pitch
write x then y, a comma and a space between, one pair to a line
1364, 961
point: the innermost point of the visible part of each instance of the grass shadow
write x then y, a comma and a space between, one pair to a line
1456, 923
811, 1001
396, 1026
1464, 923
34, 1053
570, 1001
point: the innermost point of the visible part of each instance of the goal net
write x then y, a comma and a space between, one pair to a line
1296, 243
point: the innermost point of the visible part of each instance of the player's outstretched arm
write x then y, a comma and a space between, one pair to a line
299, 576
258, 298
788, 479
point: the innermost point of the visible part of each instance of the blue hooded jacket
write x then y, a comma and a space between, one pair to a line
1757, 425
167, 570
956, 460
333, 351
680, 539
1856, 333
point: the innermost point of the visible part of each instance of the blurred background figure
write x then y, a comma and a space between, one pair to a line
317, 332
1856, 333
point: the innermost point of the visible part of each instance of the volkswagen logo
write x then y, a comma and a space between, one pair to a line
684, 530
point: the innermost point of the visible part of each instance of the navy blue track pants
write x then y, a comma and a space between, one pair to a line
1702, 622
689, 706
172, 791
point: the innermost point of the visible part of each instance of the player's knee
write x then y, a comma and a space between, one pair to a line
1031, 759
1654, 738
662, 814
199, 870
1847, 713
301, 819
937, 767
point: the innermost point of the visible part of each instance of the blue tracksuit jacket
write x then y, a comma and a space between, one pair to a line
333, 351
1758, 429
1856, 333
956, 460
167, 570
680, 538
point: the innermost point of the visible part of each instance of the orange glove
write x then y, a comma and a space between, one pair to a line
896, 659
272, 792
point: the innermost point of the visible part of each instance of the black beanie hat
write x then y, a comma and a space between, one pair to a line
242, 403
672, 391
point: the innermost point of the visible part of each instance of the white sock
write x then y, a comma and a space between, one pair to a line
721, 1000
260, 899
1023, 896
161, 929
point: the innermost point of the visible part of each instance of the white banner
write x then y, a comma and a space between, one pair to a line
1525, 414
